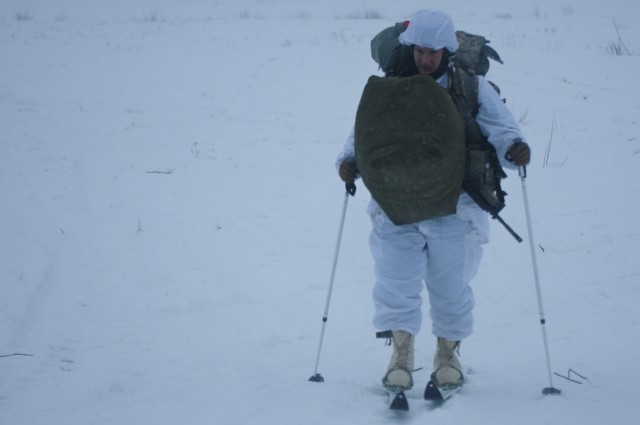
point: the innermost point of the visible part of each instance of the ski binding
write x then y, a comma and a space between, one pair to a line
397, 400
434, 392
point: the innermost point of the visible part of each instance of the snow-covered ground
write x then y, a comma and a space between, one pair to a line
169, 209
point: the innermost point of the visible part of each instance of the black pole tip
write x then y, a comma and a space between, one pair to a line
551, 391
316, 378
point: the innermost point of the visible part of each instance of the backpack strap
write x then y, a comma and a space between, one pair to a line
483, 171
464, 91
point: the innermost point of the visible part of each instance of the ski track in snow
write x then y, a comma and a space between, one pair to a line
170, 209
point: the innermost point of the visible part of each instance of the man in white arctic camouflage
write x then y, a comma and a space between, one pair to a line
443, 251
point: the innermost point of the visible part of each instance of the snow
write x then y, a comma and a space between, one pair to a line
169, 212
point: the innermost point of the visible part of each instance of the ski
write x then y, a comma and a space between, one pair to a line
397, 400
434, 392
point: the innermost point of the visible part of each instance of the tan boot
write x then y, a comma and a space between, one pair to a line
447, 371
399, 371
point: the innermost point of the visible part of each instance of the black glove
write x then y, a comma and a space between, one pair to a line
518, 153
348, 171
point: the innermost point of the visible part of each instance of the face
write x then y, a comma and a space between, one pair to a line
427, 60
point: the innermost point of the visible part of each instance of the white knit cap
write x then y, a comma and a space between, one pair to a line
432, 29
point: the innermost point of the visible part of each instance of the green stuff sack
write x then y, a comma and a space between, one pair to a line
410, 147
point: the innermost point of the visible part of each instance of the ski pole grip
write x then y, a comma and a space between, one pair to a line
350, 188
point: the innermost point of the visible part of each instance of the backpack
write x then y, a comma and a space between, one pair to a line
483, 172
414, 172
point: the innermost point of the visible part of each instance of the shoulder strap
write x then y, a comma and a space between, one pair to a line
464, 91
482, 169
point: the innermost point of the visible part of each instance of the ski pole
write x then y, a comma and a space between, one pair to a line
522, 171
350, 190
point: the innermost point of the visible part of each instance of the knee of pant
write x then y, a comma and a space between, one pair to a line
407, 295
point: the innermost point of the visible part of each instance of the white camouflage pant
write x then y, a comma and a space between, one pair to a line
444, 253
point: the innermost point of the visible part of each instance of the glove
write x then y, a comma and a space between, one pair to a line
518, 153
348, 171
